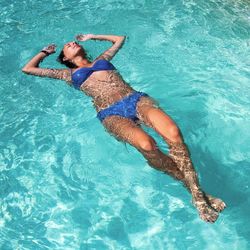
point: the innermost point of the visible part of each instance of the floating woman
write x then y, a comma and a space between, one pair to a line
121, 110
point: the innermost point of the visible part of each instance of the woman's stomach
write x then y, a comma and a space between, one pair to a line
106, 88
106, 99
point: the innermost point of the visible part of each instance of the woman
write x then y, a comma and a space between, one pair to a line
120, 109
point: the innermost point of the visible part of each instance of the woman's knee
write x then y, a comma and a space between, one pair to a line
146, 144
174, 133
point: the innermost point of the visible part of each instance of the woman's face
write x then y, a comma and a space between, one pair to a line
71, 49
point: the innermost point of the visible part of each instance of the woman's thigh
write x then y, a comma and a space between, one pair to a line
149, 112
124, 129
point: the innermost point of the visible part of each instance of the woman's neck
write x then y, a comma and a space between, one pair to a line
79, 61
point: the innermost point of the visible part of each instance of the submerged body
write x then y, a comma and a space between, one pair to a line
119, 107
111, 95
104, 85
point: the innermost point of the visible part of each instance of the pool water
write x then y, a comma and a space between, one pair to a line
67, 184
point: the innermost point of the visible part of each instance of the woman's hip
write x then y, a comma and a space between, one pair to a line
126, 107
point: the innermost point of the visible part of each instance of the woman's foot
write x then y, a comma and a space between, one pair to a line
215, 203
206, 212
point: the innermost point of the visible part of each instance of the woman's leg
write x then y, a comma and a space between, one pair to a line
126, 130
154, 117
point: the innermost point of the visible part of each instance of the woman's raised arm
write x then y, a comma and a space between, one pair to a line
109, 53
32, 67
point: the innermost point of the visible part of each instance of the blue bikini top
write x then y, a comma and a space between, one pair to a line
82, 74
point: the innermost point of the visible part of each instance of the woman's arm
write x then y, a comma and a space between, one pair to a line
32, 67
109, 53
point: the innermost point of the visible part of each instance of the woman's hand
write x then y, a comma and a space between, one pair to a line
82, 37
50, 49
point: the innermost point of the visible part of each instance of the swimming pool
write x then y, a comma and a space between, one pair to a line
67, 184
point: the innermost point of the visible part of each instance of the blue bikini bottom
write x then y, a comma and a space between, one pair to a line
125, 107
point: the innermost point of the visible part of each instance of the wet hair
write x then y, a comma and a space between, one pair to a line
68, 63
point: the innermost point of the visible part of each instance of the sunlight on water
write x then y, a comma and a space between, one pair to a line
67, 184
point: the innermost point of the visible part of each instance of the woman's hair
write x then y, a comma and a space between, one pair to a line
68, 63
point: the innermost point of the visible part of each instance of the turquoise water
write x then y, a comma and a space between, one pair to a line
67, 184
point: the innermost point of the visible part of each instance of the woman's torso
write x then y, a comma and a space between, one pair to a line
105, 87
